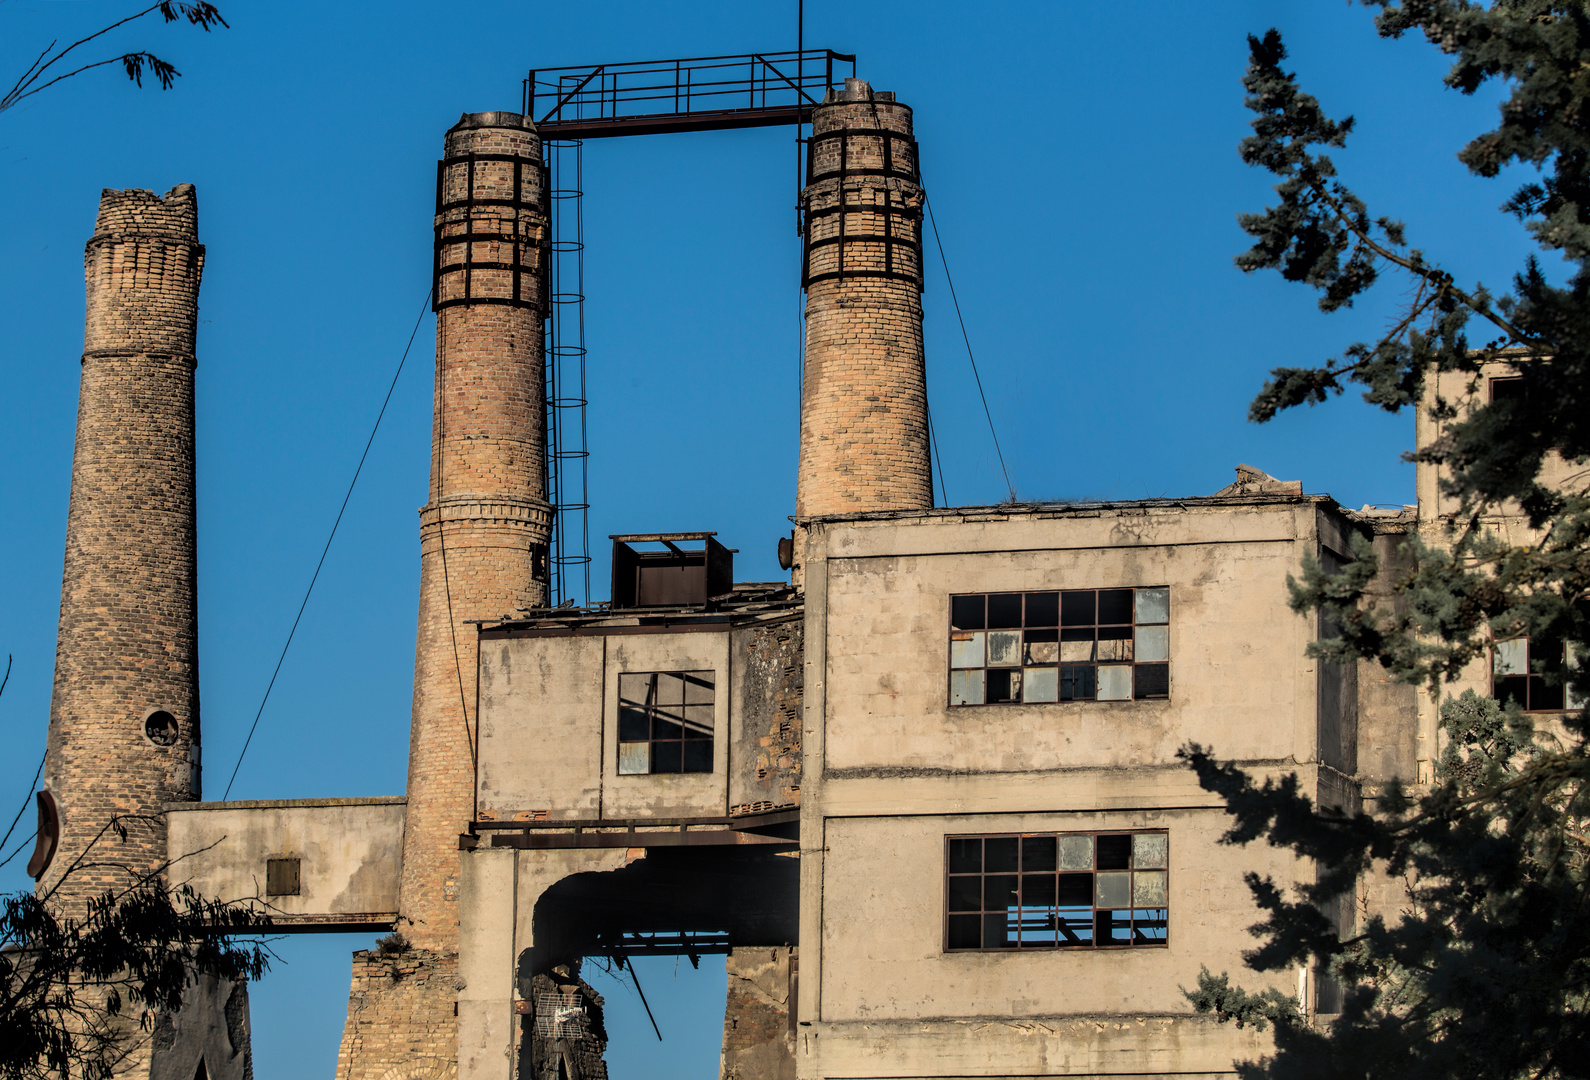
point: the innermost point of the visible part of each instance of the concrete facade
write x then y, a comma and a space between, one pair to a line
787, 774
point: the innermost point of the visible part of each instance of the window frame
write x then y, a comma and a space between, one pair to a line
652, 707
982, 913
1532, 678
1060, 666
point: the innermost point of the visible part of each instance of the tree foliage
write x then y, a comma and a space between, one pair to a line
1486, 970
43, 74
76, 989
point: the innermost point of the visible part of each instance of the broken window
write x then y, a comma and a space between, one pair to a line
1057, 890
1066, 645
1517, 675
665, 722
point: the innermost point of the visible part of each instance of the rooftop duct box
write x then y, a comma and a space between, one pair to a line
673, 577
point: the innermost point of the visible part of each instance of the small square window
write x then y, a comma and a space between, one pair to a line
665, 722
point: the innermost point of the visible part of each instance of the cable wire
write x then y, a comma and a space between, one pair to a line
967, 338
325, 550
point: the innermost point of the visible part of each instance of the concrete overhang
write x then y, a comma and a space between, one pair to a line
313, 865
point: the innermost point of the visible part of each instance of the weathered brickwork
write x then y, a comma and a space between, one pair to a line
864, 437
758, 1043
128, 633
771, 685
483, 550
483, 535
401, 1023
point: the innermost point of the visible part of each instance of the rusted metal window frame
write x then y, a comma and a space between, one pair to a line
651, 707
1060, 666
1053, 909
1534, 681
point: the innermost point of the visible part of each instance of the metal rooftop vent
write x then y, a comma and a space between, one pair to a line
673, 577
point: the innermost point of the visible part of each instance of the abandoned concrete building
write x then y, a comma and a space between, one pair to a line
922, 794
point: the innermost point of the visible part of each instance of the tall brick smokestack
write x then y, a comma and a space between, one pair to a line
124, 719
484, 532
864, 437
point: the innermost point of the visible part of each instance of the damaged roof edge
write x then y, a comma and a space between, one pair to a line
1081, 507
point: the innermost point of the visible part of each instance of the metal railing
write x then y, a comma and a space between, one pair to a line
695, 94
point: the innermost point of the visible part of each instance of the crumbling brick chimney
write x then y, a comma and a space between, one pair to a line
864, 437
124, 719
484, 532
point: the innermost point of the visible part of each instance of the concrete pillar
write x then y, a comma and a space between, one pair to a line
758, 1029
864, 437
484, 532
124, 719
487, 965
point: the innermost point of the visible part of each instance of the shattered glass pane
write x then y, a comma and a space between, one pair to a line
1114, 890
966, 687
634, 758
1153, 643
1038, 929
1043, 647
1149, 927
1115, 682
1153, 605
1037, 856
1075, 925
1040, 685
1004, 610
1043, 609
1004, 648
966, 612
1115, 851
999, 930
1512, 657
1115, 605
1076, 852
1074, 890
966, 651
999, 855
1148, 888
1150, 850
1077, 608
1004, 685
1113, 927
1115, 648
1076, 651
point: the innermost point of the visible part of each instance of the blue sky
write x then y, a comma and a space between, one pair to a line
1081, 162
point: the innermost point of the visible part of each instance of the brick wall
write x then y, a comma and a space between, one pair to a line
864, 438
128, 633
401, 1021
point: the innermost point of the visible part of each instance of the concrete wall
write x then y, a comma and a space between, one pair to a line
549, 733
891, 770
350, 852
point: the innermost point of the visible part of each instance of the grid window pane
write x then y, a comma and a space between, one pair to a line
1057, 891
665, 722
1071, 646
1518, 676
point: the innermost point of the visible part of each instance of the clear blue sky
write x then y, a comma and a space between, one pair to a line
1081, 162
